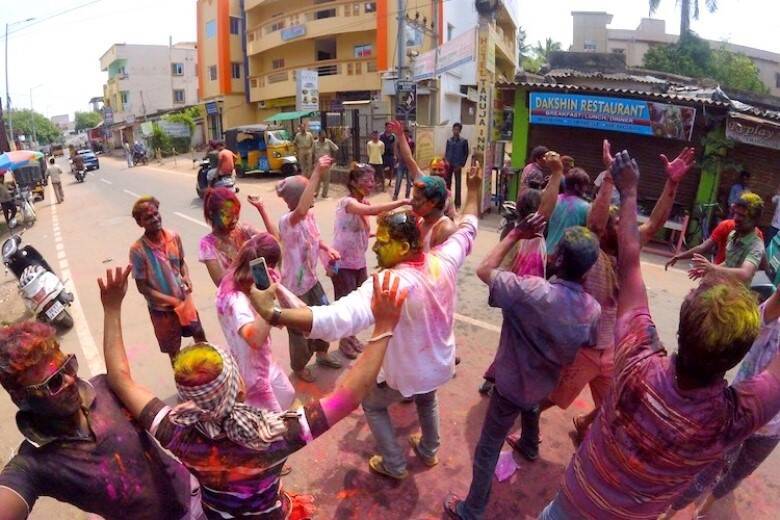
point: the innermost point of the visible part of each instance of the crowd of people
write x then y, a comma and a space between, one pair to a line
666, 429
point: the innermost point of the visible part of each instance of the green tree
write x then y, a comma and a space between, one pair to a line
542, 51
87, 120
688, 9
693, 57
45, 131
523, 48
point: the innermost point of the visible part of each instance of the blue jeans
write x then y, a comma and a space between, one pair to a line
402, 172
499, 419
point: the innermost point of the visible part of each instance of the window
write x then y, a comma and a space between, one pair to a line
211, 28
213, 72
777, 79
121, 71
363, 51
253, 82
235, 25
177, 69
178, 96
355, 9
371, 66
618, 51
235, 70
450, 31
124, 96
589, 45
369, 7
325, 13
276, 26
278, 63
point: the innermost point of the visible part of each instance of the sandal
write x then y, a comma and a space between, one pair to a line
377, 465
450, 504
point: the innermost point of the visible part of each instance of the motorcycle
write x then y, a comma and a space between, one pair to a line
24, 201
81, 174
140, 157
202, 183
43, 292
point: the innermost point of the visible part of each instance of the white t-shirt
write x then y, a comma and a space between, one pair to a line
776, 216
421, 354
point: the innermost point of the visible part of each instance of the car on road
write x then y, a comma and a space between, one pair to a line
91, 161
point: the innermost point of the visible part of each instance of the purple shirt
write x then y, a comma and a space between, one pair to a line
541, 333
652, 437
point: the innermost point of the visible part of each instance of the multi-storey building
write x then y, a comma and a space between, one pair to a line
592, 34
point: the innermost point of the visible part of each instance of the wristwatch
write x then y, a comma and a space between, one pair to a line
276, 316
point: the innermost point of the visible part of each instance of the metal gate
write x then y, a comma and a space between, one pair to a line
350, 129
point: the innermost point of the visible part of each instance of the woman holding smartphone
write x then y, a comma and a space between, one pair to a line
247, 334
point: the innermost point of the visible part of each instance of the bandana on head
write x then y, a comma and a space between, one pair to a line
212, 408
291, 189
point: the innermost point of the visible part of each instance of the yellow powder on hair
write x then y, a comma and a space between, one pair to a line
729, 316
197, 365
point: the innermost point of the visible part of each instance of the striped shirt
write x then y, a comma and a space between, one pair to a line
160, 266
236, 482
651, 437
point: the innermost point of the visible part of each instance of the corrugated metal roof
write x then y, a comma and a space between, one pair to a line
610, 76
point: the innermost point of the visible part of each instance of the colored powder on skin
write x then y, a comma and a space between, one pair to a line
197, 365
728, 319
434, 188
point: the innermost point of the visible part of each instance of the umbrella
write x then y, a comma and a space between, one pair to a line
18, 159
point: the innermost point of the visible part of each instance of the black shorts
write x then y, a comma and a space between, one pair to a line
388, 161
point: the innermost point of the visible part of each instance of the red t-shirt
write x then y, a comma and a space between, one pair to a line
721, 235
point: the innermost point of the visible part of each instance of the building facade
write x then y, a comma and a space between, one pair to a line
591, 34
222, 69
145, 79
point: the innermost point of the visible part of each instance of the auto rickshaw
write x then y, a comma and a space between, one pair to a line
34, 178
262, 149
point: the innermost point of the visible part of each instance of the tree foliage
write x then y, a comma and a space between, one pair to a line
542, 51
87, 120
46, 132
688, 9
692, 56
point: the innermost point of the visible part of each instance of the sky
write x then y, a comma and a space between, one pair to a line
58, 57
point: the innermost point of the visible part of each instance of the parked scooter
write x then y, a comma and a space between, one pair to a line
42, 290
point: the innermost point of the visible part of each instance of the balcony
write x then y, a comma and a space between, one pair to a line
505, 46
312, 22
334, 76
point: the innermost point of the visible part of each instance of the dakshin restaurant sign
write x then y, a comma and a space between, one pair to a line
633, 116
753, 130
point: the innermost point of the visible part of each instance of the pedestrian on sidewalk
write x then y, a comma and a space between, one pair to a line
247, 334
218, 249
351, 231
421, 357
7, 201
81, 447
304, 149
55, 176
128, 154
237, 452
456, 153
163, 278
322, 147
376, 150
302, 250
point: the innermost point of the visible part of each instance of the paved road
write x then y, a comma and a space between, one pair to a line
93, 229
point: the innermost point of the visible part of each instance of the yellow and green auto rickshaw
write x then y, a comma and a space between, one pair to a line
262, 149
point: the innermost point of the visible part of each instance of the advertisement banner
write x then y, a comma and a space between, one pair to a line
307, 92
483, 124
452, 54
425, 146
753, 130
631, 116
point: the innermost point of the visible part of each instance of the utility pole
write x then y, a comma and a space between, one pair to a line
434, 86
401, 45
8, 93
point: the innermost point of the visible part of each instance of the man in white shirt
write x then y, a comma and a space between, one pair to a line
421, 354
55, 176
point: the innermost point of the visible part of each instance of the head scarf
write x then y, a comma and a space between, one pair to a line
213, 409
291, 189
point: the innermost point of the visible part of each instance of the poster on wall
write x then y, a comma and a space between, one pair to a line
425, 147
753, 130
405, 100
307, 92
632, 116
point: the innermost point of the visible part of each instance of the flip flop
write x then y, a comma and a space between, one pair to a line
450, 504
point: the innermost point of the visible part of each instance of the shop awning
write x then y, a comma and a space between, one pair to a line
289, 116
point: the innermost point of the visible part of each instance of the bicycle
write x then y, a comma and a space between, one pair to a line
701, 223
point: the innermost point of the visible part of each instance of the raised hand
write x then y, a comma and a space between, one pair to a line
606, 154
474, 177
324, 162
397, 128
114, 288
529, 227
625, 172
387, 301
681, 165
256, 201
552, 161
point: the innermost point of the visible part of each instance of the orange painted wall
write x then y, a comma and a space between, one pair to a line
382, 59
223, 46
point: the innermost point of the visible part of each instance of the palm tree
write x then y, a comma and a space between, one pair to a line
688, 8
543, 51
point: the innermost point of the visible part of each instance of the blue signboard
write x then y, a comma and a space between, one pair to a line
633, 116
212, 108
292, 32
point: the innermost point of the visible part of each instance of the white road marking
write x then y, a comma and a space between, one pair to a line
132, 193
193, 220
477, 323
106, 181
87, 342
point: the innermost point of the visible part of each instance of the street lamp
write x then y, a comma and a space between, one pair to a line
8, 92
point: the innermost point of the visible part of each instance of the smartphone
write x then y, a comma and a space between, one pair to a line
260, 273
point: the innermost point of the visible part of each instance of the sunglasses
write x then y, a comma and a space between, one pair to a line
54, 384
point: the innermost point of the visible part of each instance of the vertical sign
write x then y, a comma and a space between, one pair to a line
307, 92
405, 100
485, 82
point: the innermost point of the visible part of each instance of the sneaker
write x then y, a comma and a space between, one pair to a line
377, 465
414, 442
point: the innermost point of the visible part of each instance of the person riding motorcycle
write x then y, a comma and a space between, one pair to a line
77, 163
222, 172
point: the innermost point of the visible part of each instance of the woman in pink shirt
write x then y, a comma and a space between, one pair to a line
247, 334
350, 239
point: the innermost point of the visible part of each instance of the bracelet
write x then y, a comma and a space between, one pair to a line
381, 337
